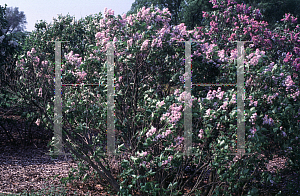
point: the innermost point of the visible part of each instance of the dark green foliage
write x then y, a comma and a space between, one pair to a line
190, 11
175, 7
15, 20
274, 10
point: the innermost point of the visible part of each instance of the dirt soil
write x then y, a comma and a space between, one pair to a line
25, 166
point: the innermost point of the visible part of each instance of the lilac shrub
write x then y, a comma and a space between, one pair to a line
152, 126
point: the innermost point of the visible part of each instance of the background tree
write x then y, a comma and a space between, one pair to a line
9, 45
174, 6
12, 36
10, 48
15, 20
274, 10
183, 11
190, 11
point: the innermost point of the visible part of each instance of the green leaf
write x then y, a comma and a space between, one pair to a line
221, 143
253, 109
161, 156
151, 173
172, 185
55, 176
246, 171
133, 158
226, 147
121, 147
288, 107
253, 191
86, 176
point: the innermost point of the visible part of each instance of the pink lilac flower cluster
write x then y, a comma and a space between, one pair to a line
253, 131
159, 104
21, 64
166, 133
221, 55
157, 137
294, 95
164, 116
175, 113
35, 59
289, 82
284, 134
74, 59
269, 68
179, 140
143, 154
167, 161
208, 49
271, 97
268, 121
201, 133
181, 78
176, 92
249, 82
29, 53
37, 122
45, 63
108, 12
145, 44
254, 57
288, 17
179, 31
212, 94
163, 135
254, 103
151, 132
183, 97
120, 78
253, 118
225, 103
233, 99
102, 36
110, 26
241, 8
40, 92
233, 55
288, 57
81, 75
208, 112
